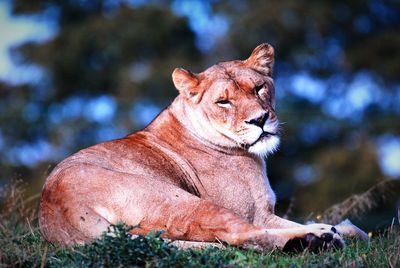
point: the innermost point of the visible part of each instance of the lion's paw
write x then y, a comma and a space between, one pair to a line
323, 231
318, 237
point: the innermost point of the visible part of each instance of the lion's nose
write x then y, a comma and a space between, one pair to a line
259, 121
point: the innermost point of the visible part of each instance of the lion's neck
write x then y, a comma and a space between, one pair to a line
174, 124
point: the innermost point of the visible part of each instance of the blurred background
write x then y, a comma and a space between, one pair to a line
77, 72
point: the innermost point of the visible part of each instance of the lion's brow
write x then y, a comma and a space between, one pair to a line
230, 76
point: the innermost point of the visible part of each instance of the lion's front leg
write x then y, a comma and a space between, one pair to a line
196, 220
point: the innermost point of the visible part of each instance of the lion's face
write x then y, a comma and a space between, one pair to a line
232, 104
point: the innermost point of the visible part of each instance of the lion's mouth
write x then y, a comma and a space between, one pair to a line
266, 134
263, 135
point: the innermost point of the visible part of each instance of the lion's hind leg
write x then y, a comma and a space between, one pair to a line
348, 230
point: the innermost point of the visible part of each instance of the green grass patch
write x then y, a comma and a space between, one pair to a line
24, 247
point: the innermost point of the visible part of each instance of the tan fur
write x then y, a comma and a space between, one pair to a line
197, 171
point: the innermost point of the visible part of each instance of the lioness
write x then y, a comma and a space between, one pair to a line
197, 171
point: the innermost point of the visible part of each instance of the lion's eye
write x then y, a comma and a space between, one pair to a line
224, 103
258, 88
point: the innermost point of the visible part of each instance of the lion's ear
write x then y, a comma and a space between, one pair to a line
186, 83
262, 59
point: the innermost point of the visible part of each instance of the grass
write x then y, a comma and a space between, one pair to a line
21, 245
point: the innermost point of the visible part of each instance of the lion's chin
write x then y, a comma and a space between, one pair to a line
265, 146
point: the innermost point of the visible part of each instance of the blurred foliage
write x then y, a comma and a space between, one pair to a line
104, 52
358, 204
124, 54
304, 32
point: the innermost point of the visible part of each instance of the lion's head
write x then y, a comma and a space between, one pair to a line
232, 104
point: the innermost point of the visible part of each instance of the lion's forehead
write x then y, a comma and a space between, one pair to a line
233, 75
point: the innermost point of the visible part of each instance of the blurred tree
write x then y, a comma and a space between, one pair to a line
103, 59
322, 36
117, 54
